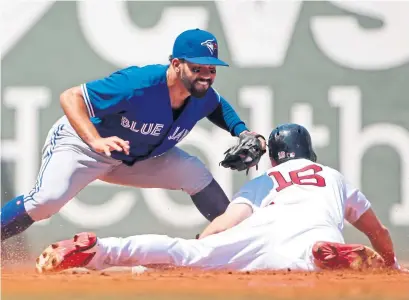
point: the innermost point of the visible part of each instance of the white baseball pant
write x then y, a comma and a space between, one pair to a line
69, 165
255, 244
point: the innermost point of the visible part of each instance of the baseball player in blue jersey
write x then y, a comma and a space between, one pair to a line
124, 128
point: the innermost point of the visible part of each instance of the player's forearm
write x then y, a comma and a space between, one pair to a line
382, 243
234, 215
74, 108
219, 224
225, 117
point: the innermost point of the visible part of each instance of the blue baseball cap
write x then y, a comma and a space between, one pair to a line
198, 47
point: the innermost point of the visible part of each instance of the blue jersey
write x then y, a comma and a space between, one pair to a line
134, 104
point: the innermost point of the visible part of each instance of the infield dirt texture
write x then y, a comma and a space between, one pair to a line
180, 284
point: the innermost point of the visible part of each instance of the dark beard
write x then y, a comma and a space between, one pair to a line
196, 93
190, 86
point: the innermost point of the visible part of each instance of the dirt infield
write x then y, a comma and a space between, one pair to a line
193, 284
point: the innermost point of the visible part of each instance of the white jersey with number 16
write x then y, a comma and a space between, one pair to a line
304, 195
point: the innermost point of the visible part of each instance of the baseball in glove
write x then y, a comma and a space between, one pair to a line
245, 154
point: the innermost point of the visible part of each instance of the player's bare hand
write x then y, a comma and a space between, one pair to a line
113, 143
263, 143
261, 139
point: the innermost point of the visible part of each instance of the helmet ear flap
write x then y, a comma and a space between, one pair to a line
313, 156
270, 144
270, 151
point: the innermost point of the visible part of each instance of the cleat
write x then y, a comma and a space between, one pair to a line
335, 256
73, 253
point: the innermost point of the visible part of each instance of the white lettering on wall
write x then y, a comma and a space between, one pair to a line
23, 150
258, 32
111, 33
99, 216
355, 141
302, 113
348, 44
17, 18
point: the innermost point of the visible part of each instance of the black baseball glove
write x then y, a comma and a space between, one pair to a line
245, 154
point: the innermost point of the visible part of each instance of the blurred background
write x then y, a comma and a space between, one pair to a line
339, 68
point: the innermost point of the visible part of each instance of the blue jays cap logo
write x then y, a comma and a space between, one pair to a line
211, 45
197, 47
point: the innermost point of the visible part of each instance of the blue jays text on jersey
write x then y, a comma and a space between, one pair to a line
134, 104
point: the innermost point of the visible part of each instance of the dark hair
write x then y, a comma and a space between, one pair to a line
171, 57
